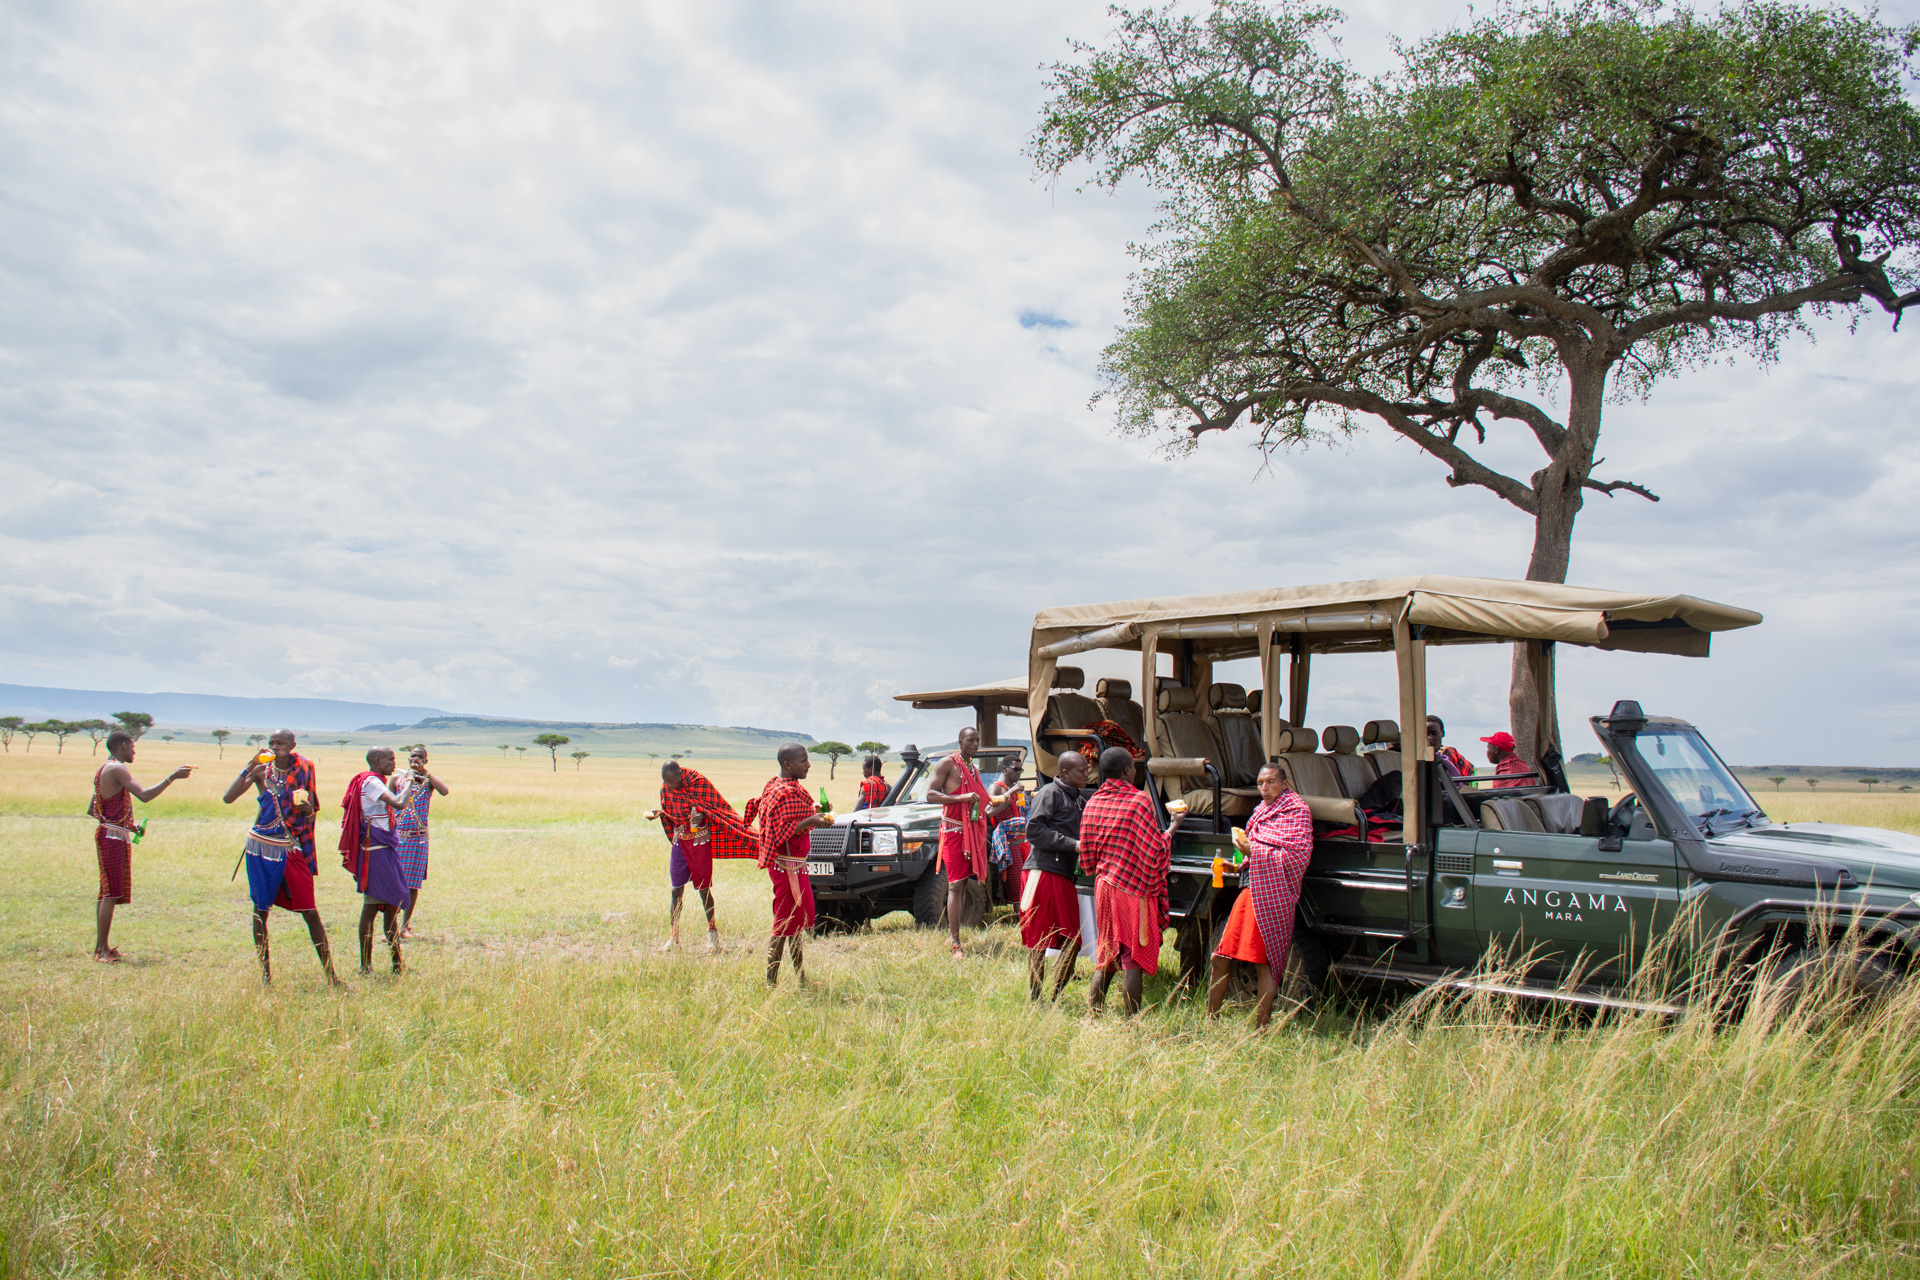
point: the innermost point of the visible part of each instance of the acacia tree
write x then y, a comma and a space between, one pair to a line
832, 751
577, 757
61, 731
134, 722
874, 748
553, 742
1776, 779
1552, 205
34, 730
9, 725
220, 736
1870, 784
96, 730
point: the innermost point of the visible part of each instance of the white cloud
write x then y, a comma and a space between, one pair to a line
727, 363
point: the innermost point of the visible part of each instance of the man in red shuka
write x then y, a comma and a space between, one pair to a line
1127, 854
701, 826
114, 790
787, 814
963, 826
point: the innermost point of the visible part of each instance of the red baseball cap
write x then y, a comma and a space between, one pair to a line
1502, 740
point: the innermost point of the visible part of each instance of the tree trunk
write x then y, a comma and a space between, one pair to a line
1558, 489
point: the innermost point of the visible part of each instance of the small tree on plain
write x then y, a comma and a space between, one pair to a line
1776, 779
9, 725
340, 743
1813, 784
220, 736
832, 751
504, 748
553, 742
96, 730
1870, 784
1608, 761
1904, 787
522, 751
255, 739
577, 757
166, 737
874, 748
134, 722
33, 730
61, 731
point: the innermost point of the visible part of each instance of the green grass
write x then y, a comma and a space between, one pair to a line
544, 1095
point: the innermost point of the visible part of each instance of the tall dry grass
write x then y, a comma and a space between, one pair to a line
544, 1095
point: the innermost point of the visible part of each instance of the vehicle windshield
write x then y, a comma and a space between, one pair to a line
1703, 787
989, 762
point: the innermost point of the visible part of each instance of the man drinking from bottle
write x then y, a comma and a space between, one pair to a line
279, 851
787, 814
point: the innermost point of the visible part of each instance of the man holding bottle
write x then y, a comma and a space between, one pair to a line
787, 815
963, 826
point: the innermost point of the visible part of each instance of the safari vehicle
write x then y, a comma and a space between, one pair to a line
874, 861
1579, 886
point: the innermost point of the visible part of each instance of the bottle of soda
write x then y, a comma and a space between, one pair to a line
826, 805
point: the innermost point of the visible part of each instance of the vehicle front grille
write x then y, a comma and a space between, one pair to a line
828, 842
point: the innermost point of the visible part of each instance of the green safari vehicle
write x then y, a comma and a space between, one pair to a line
1580, 887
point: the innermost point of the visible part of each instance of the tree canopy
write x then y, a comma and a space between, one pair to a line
1551, 205
134, 722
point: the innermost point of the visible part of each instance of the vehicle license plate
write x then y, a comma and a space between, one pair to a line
820, 868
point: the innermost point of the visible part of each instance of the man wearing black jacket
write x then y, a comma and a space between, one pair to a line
1049, 906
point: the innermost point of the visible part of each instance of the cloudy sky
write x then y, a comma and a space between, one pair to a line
727, 362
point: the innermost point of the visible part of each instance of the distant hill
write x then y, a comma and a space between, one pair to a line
365, 724
215, 711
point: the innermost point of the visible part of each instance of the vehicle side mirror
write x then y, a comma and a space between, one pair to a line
1619, 822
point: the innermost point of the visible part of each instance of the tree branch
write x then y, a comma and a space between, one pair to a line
1609, 487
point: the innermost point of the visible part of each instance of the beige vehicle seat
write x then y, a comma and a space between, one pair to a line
1513, 814
1387, 732
1183, 733
1255, 699
1067, 708
1313, 777
1116, 701
1355, 771
1238, 734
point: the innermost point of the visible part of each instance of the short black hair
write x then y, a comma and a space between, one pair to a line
1116, 762
116, 738
790, 751
1437, 720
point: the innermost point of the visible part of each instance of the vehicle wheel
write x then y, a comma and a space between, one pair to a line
930, 897
1305, 977
1852, 980
1241, 984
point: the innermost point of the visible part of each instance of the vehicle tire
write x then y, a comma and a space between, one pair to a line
1304, 980
1193, 945
1793, 977
930, 896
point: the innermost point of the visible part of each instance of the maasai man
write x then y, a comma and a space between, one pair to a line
1049, 905
701, 826
410, 832
1127, 854
873, 784
1501, 755
367, 850
787, 814
1278, 842
114, 791
279, 850
1007, 829
963, 826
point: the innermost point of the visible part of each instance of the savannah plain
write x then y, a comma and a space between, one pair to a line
545, 1094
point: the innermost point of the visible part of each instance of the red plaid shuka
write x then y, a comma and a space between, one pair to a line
1121, 844
1281, 833
1114, 736
731, 839
303, 777
873, 791
783, 804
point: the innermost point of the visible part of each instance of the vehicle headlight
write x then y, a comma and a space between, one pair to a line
886, 843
